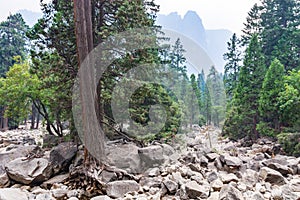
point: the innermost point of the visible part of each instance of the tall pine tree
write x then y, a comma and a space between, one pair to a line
280, 22
271, 88
232, 66
245, 114
252, 25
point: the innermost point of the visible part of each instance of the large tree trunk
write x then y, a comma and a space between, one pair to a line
93, 136
33, 116
37, 120
4, 126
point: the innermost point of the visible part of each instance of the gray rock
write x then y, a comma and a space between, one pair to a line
74, 198
44, 196
214, 196
12, 194
228, 192
212, 176
295, 185
212, 156
10, 154
171, 186
227, 178
51, 140
124, 156
254, 165
59, 193
257, 196
62, 155
203, 161
178, 178
293, 164
250, 178
242, 186
230, 160
169, 153
117, 189
217, 185
259, 157
284, 170
107, 177
4, 180
29, 171
56, 179
271, 176
150, 182
288, 194
218, 164
151, 156
194, 167
194, 190
153, 172
277, 159
102, 197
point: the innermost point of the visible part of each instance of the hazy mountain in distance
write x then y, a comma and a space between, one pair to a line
214, 42
217, 45
30, 17
190, 25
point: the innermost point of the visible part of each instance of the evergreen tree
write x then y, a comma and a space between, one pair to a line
252, 25
271, 88
177, 59
197, 92
289, 101
54, 52
280, 22
246, 97
205, 109
232, 66
217, 94
12, 41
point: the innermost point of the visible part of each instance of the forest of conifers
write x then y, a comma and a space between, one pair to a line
261, 79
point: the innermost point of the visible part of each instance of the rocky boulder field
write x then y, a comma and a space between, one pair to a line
198, 165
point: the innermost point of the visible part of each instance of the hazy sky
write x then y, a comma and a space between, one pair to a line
216, 14
11, 6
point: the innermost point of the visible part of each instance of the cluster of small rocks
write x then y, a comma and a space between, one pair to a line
204, 168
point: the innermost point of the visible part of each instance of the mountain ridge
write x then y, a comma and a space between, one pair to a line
214, 42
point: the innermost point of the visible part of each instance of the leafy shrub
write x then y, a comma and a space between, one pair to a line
266, 130
290, 143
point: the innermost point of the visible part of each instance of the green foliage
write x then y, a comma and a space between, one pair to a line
268, 104
12, 41
205, 109
149, 95
289, 99
271, 88
253, 24
246, 98
232, 66
265, 129
54, 51
280, 22
217, 95
194, 118
290, 143
18, 89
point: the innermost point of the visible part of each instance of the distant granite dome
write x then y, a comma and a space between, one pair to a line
193, 27
214, 42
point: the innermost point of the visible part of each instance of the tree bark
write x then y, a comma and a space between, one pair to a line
5, 121
87, 82
33, 115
